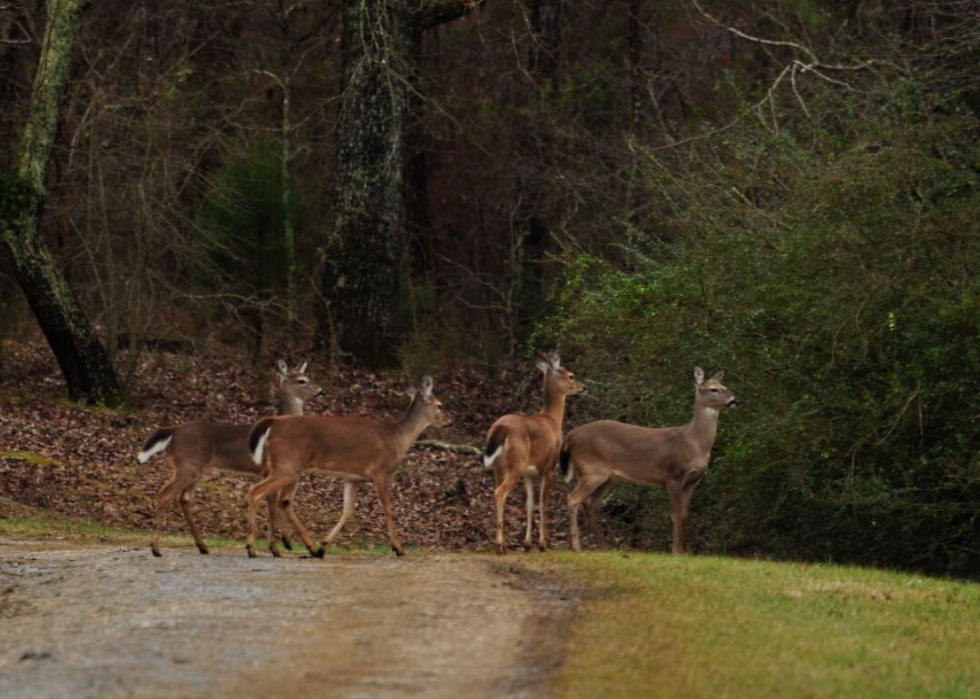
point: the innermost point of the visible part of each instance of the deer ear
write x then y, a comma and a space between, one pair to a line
281, 367
554, 360
698, 376
302, 368
427, 386
542, 362
719, 376
411, 391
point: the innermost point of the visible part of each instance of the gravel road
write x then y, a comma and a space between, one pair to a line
115, 622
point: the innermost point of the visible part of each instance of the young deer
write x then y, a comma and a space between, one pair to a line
527, 446
674, 457
355, 449
194, 447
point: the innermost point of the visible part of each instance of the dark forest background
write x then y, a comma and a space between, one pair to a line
787, 190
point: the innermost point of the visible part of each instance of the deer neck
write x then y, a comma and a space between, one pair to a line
289, 405
704, 426
554, 401
410, 426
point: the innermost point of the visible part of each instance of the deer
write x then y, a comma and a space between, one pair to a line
194, 448
354, 449
676, 458
525, 447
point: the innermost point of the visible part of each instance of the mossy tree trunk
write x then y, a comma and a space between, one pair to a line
84, 362
361, 281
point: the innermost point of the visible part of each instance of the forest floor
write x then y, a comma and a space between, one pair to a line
96, 621
81, 462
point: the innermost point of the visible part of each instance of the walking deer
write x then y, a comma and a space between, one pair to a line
674, 457
527, 446
354, 449
195, 447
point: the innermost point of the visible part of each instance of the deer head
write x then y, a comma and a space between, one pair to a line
295, 383
561, 379
430, 406
712, 393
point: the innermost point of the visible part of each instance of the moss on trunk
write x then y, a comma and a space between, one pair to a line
83, 360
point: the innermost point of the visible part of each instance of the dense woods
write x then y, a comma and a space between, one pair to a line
786, 190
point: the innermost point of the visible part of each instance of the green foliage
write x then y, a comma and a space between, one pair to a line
832, 272
241, 224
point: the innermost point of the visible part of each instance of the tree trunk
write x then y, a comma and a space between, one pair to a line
83, 360
361, 279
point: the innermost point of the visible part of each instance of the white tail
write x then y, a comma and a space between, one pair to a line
523, 447
351, 448
154, 445
488, 459
674, 457
195, 447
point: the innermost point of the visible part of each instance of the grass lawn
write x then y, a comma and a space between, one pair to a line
24, 523
664, 626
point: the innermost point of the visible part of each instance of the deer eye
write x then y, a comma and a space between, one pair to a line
303, 382
714, 390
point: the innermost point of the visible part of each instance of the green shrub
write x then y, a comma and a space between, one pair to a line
832, 271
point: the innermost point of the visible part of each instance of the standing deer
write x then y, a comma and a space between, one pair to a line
527, 446
195, 447
354, 449
674, 457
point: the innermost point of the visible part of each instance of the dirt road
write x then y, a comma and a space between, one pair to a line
115, 622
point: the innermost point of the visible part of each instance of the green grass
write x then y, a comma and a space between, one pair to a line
665, 626
24, 523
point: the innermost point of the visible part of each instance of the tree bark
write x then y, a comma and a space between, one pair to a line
83, 360
361, 280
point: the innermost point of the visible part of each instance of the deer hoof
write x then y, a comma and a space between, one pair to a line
542, 547
274, 550
399, 551
251, 552
287, 543
204, 550
156, 552
319, 553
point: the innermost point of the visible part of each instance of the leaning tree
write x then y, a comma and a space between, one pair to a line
84, 362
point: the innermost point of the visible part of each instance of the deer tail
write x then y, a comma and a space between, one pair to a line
157, 442
257, 437
495, 446
565, 463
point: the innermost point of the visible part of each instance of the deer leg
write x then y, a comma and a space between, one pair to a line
350, 497
185, 504
500, 493
272, 502
583, 490
175, 485
287, 504
543, 527
286, 496
675, 496
591, 504
529, 487
270, 484
383, 486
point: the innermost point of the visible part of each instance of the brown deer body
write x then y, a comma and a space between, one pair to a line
354, 449
673, 457
523, 447
194, 448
